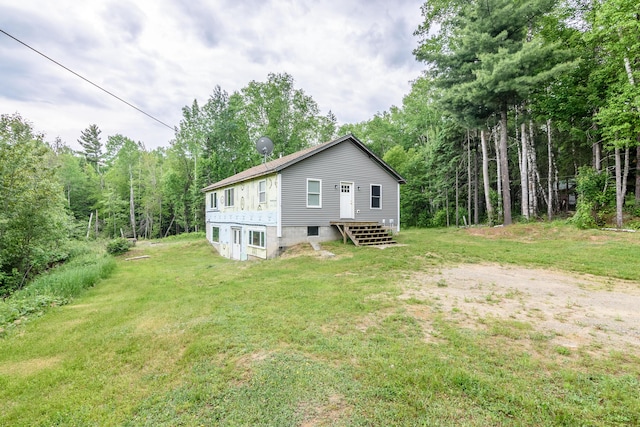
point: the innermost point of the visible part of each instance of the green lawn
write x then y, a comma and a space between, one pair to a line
186, 337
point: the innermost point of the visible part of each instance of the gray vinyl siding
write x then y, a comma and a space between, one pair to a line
342, 162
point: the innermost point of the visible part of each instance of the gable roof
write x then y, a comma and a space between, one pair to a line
284, 162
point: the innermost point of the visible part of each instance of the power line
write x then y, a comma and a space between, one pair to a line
86, 80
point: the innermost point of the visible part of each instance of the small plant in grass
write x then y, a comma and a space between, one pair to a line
118, 246
563, 351
442, 283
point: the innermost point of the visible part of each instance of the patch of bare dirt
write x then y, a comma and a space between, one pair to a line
576, 310
29, 367
306, 250
327, 414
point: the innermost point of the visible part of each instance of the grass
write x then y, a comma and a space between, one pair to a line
88, 264
186, 337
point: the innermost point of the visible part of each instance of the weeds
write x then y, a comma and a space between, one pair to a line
58, 286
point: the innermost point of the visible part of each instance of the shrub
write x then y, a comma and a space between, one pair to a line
596, 196
118, 246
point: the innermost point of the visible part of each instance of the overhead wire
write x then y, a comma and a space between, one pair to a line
87, 80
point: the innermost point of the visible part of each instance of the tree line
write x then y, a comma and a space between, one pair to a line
116, 187
522, 105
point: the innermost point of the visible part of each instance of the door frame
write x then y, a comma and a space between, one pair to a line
352, 200
236, 247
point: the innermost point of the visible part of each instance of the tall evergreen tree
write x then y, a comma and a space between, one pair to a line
92, 146
485, 59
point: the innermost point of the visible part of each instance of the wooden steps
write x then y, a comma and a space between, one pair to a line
364, 233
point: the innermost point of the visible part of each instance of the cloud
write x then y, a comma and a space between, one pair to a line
202, 20
126, 20
353, 57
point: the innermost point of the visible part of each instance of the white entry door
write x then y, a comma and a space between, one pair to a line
346, 200
236, 243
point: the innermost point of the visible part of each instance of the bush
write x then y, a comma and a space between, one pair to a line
596, 198
118, 246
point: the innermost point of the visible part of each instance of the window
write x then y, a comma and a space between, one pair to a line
262, 191
228, 196
314, 193
313, 231
215, 234
376, 196
256, 238
213, 202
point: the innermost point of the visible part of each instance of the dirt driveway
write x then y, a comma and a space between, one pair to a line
575, 310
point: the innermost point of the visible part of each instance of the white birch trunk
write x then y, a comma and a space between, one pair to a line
485, 175
621, 183
524, 171
549, 198
533, 174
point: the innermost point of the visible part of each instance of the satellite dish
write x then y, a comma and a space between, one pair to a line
264, 145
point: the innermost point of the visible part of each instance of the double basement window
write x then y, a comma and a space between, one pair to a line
257, 238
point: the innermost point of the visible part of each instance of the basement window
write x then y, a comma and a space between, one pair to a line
313, 231
256, 238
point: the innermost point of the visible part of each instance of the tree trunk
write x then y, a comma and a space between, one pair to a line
476, 189
597, 156
621, 183
485, 175
468, 177
504, 168
533, 173
524, 171
132, 208
550, 173
638, 173
89, 226
499, 175
457, 200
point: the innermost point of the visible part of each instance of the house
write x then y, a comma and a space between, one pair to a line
293, 199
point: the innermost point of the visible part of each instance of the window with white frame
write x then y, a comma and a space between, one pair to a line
256, 238
376, 196
314, 193
215, 234
213, 200
262, 191
228, 196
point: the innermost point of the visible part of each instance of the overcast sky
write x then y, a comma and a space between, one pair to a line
352, 57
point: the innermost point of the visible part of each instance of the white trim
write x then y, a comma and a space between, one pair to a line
306, 192
371, 196
257, 230
227, 191
212, 227
398, 226
262, 202
352, 196
279, 206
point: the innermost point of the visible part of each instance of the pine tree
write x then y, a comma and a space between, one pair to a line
485, 59
92, 147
